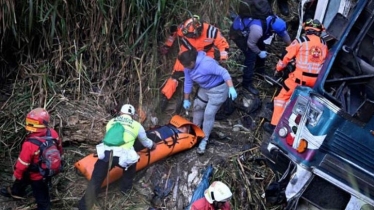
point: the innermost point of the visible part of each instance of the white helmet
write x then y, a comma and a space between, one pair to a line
218, 191
128, 109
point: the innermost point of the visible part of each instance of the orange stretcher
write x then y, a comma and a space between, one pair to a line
165, 148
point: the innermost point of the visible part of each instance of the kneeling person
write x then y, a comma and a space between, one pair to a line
121, 133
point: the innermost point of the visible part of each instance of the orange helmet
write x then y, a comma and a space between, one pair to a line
315, 25
37, 120
192, 27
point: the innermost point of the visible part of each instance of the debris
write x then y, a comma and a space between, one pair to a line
241, 127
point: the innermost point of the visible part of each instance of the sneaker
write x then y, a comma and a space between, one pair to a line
202, 146
200, 151
269, 127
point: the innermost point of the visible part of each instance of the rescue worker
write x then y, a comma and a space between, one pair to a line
310, 52
254, 51
193, 33
215, 86
217, 196
25, 173
124, 155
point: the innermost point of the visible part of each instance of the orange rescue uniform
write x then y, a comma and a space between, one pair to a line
210, 40
310, 52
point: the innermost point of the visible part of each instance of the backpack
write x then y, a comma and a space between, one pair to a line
114, 136
248, 103
256, 9
239, 31
49, 156
226, 109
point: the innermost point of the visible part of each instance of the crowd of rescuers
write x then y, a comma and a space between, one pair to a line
307, 52
202, 50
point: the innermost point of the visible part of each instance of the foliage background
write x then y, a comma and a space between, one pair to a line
58, 51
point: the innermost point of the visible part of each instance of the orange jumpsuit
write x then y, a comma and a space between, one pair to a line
310, 52
209, 40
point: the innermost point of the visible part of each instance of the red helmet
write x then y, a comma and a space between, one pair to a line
192, 27
37, 120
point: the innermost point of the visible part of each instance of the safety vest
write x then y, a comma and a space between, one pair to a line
310, 52
309, 60
131, 129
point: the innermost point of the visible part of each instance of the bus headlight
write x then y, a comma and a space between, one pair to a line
314, 114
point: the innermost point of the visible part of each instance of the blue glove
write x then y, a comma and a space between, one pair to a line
186, 104
232, 93
263, 54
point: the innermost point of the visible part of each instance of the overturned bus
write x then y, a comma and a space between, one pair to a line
324, 143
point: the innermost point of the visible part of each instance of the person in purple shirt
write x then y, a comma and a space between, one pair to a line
215, 86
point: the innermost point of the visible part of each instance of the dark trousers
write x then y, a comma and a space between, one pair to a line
40, 191
98, 176
252, 62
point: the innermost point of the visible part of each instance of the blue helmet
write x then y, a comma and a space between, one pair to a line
278, 25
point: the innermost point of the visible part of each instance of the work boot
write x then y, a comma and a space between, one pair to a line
7, 192
163, 103
283, 7
269, 127
251, 89
202, 146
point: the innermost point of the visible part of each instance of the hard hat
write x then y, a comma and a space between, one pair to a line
218, 192
37, 120
278, 25
311, 24
128, 109
192, 27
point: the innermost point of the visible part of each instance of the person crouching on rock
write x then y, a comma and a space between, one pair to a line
217, 196
215, 86
121, 133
